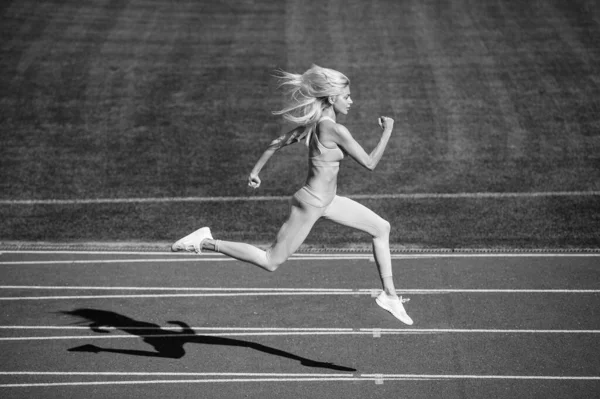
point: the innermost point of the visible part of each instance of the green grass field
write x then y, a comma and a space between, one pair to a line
160, 98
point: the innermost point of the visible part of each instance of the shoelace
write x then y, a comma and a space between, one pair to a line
403, 300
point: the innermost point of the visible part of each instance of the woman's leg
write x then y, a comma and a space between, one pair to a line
350, 213
291, 235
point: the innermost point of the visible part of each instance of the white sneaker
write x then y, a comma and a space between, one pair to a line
192, 242
395, 307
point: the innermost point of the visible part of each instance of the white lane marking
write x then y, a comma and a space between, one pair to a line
178, 336
310, 378
274, 293
82, 201
155, 260
299, 375
292, 332
293, 258
340, 291
167, 373
109, 261
479, 377
143, 382
179, 328
228, 294
166, 252
459, 253
226, 330
50, 287
300, 292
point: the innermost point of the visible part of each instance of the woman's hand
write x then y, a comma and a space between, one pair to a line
386, 123
253, 180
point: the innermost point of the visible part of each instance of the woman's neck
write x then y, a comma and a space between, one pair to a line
329, 113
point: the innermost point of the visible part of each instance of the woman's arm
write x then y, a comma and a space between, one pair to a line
286, 139
344, 139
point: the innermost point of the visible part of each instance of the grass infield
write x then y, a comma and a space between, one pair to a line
141, 98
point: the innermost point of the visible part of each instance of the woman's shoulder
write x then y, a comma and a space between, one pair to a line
326, 125
333, 128
330, 133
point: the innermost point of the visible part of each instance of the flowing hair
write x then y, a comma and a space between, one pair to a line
308, 95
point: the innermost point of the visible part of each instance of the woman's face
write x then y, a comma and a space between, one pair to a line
342, 102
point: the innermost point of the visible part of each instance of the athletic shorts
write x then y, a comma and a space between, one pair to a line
312, 198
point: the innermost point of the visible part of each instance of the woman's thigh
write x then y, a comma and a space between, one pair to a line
294, 231
350, 213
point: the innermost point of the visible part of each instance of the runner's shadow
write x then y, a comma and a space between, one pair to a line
168, 343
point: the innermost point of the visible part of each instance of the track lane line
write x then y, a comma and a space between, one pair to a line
169, 373
377, 378
257, 198
315, 332
312, 329
300, 292
222, 258
266, 290
107, 288
301, 375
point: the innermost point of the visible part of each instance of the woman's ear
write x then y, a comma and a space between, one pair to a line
332, 99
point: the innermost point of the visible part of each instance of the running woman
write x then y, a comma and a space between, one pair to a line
317, 97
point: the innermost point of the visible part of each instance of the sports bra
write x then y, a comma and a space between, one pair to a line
327, 156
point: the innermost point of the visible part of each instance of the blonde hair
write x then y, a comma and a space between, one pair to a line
309, 93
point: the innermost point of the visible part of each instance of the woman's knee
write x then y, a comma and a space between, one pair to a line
383, 228
272, 266
274, 261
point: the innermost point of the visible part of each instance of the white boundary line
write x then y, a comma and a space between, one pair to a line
250, 334
216, 289
329, 291
300, 329
111, 261
297, 292
251, 377
397, 196
173, 260
460, 253
168, 373
205, 330
303, 376
216, 332
166, 252
293, 258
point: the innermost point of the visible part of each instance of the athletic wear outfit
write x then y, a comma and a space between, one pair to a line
316, 199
